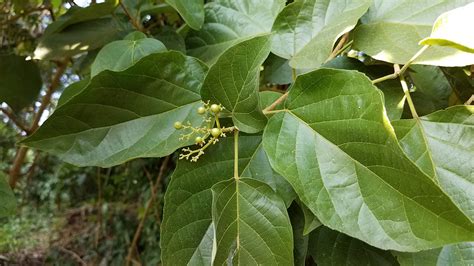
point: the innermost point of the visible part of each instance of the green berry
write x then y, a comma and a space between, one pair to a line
216, 132
199, 140
201, 110
178, 125
215, 108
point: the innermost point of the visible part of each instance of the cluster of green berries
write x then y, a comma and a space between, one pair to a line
210, 113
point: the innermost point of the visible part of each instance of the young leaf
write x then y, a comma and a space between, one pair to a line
7, 199
228, 22
124, 115
453, 29
329, 247
20, 81
306, 30
120, 55
441, 145
233, 81
391, 30
336, 147
251, 224
458, 254
191, 11
187, 229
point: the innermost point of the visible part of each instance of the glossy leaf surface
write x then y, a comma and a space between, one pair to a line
391, 31
191, 11
124, 115
306, 30
336, 147
233, 81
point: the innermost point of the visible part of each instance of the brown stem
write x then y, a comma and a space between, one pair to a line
149, 203
132, 19
339, 46
14, 119
275, 103
15, 170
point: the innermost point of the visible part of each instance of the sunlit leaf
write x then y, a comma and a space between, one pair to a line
306, 30
191, 11
392, 29
454, 29
458, 254
336, 147
124, 115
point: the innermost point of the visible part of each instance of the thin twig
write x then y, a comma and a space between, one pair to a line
149, 203
275, 103
469, 102
404, 68
14, 119
74, 255
132, 20
339, 46
406, 91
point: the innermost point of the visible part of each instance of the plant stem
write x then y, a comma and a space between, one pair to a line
14, 119
236, 155
339, 47
149, 203
404, 68
407, 92
132, 20
275, 103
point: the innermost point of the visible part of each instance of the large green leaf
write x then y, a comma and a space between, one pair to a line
78, 38
233, 81
7, 199
119, 55
252, 226
336, 147
461, 254
391, 30
329, 247
123, 115
78, 14
452, 29
306, 30
20, 81
442, 145
229, 21
394, 98
191, 11
187, 229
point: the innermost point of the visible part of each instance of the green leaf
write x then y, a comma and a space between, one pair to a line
78, 38
187, 229
391, 30
171, 39
124, 115
300, 239
277, 70
233, 81
191, 11
229, 21
72, 90
252, 226
120, 55
458, 254
306, 30
76, 15
7, 199
432, 89
453, 29
268, 97
329, 247
311, 222
336, 147
461, 83
394, 98
20, 81
441, 145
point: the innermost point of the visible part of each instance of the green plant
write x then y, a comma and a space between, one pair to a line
369, 174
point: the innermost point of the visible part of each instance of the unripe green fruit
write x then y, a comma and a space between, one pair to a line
198, 140
178, 125
201, 110
215, 108
215, 132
